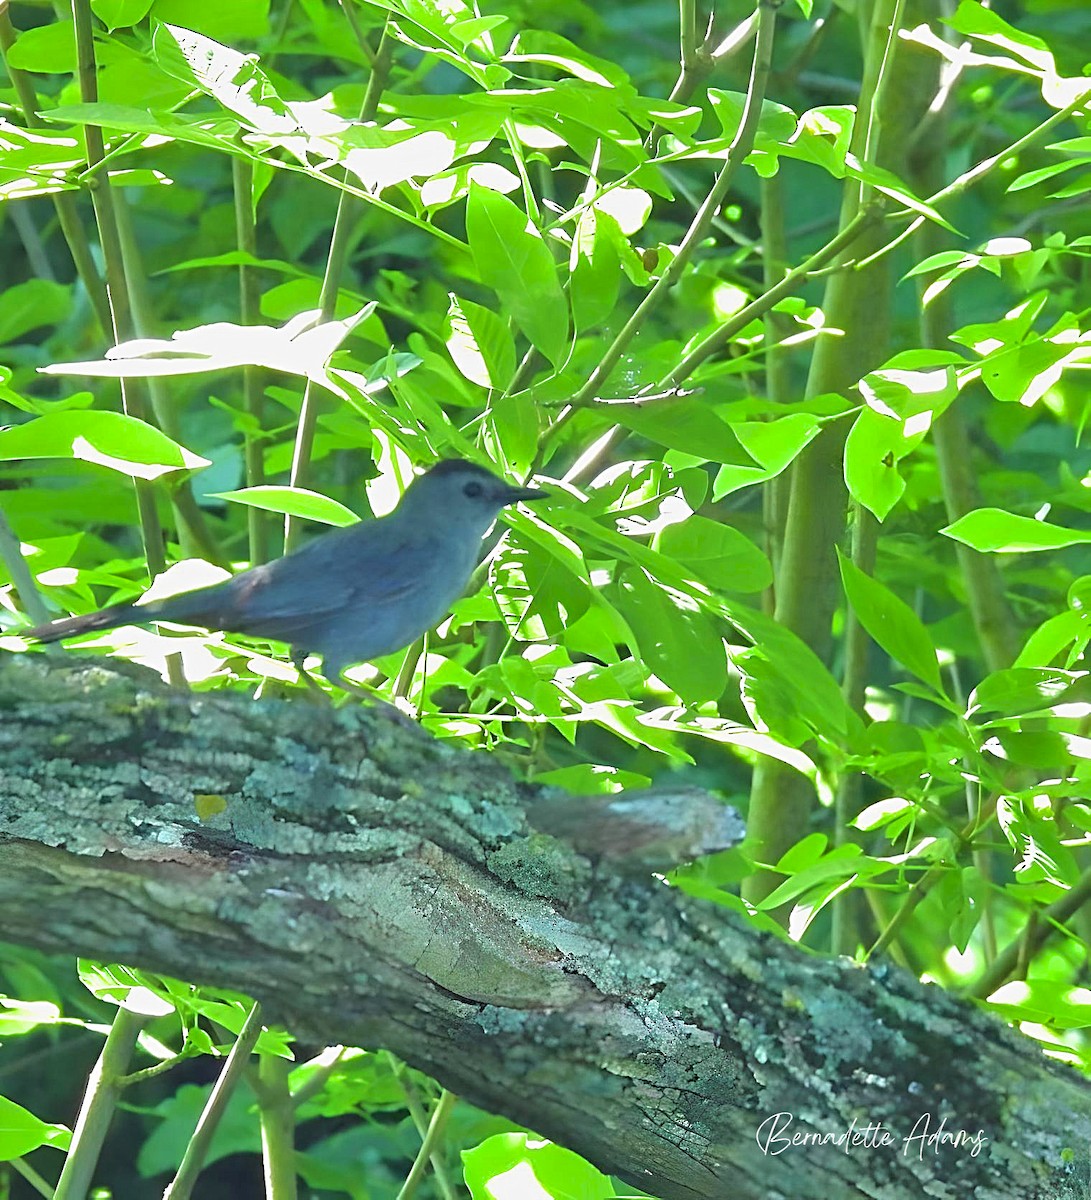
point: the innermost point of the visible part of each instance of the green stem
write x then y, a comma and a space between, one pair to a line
1028, 943
193, 531
99, 1102
419, 1116
862, 222
21, 578
844, 934
277, 1118
121, 317
741, 145
331, 283
63, 202
774, 257
807, 586
40, 1185
436, 1126
318, 1080
242, 178
181, 1186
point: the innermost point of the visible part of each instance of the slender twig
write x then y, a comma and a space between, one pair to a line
871, 105
181, 1186
920, 890
436, 1126
419, 1116
774, 258
99, 1102
40, 1185
978, 172
21, 578
242, 179
318, 1079
132, 391
741, 145
1032, 940
860, 224
331, 283
844, 934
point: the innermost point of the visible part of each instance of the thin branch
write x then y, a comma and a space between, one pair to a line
181, 1186
331, 283
796, 278
40, 1185
276, 1114
419, 1117
740, 147
242, 180
1023, 948
436, 1126
99, 1103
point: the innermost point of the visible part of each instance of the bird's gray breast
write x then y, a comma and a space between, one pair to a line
393, 598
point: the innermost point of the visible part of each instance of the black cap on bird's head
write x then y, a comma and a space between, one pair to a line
464, 484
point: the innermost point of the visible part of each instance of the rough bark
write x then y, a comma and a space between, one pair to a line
373, 886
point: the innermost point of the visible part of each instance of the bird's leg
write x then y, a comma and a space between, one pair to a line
377, 703
313, 686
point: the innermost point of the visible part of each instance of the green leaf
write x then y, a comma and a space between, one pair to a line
21, 1132
686, 423
890, 185
479, 343
776, 124
976, 20
112, 440
232, 78
719, 555
232, 22
842, 862
786, 686
31, 304
123, 986
995, 531
872, 448
47, 49
512, 431
537, 1169
120, 14
595, 267
299, 347
891, 623
513, 260
1023, 691
18, 1017
673, 637
292, 501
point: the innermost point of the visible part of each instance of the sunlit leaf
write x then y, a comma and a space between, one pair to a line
293, 501
112, 440
515, 262
995, 531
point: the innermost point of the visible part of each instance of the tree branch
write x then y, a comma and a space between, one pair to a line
372, 886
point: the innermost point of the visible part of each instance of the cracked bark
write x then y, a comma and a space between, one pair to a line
373, 886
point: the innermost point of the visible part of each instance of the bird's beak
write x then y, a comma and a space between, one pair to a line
514, 494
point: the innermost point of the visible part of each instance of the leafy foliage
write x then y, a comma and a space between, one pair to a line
697, 321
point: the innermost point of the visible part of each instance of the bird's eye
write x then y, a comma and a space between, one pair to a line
473, 490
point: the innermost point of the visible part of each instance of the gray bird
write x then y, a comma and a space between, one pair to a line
350, 595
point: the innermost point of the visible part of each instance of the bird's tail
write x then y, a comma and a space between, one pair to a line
105, 618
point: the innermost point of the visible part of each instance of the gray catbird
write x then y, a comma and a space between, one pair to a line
353, 594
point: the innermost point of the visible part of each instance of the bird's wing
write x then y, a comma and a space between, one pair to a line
285, 598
